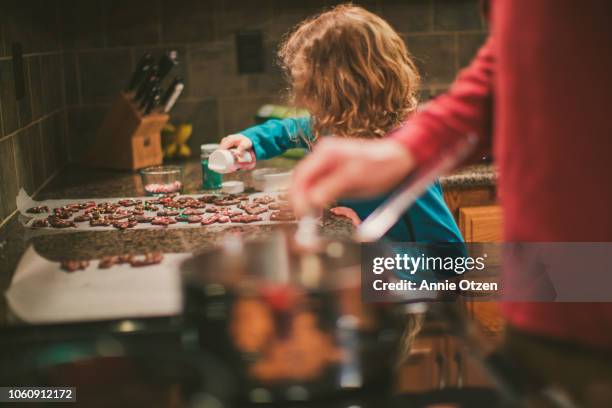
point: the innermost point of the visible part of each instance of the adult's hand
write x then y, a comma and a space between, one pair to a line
340, 167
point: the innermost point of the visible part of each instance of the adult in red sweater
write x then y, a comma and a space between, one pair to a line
544, 77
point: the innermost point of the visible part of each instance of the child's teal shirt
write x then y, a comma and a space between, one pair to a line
427, 221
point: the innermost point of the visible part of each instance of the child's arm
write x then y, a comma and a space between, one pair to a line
271, 138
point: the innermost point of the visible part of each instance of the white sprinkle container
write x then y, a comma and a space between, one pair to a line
228, 161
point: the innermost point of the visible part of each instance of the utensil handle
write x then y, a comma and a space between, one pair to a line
388, 213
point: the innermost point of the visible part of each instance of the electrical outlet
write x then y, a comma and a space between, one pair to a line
18, 72
249, 46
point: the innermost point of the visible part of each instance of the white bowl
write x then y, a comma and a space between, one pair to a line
271, 179
232, 187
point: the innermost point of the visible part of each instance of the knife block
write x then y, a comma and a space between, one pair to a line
127, 140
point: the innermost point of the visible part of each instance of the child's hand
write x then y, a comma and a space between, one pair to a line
348, 213
239, 142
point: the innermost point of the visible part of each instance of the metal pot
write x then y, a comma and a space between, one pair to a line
291, 324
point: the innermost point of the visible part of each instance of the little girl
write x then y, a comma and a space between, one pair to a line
354, 75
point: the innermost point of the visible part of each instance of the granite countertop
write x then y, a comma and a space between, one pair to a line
473, 176
78, 182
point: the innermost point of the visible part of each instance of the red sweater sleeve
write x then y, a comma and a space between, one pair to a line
464, 109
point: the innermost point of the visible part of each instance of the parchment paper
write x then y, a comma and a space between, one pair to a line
24, 202
41, 292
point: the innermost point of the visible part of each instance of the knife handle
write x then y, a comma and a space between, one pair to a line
148, 84
153, 101
172, 94
148, 95
144, 65
168, 61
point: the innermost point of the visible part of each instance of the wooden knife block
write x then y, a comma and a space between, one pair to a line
127, 140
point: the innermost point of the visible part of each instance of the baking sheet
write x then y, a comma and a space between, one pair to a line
41, 292
24, 202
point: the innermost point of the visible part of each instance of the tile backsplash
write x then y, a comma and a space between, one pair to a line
103, 40
77, 55
32, 108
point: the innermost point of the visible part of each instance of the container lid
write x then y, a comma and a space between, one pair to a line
208, 148
221, 161
232, 187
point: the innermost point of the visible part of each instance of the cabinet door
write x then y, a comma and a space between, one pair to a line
481, 224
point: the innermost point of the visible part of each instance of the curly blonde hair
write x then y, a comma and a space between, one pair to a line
352, 71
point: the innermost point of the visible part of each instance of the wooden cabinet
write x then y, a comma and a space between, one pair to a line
476, 212
481, 224
459, 198
480, 220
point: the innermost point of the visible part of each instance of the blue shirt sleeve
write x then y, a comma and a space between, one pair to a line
275, 136
428, 220
431, 220
432, 223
